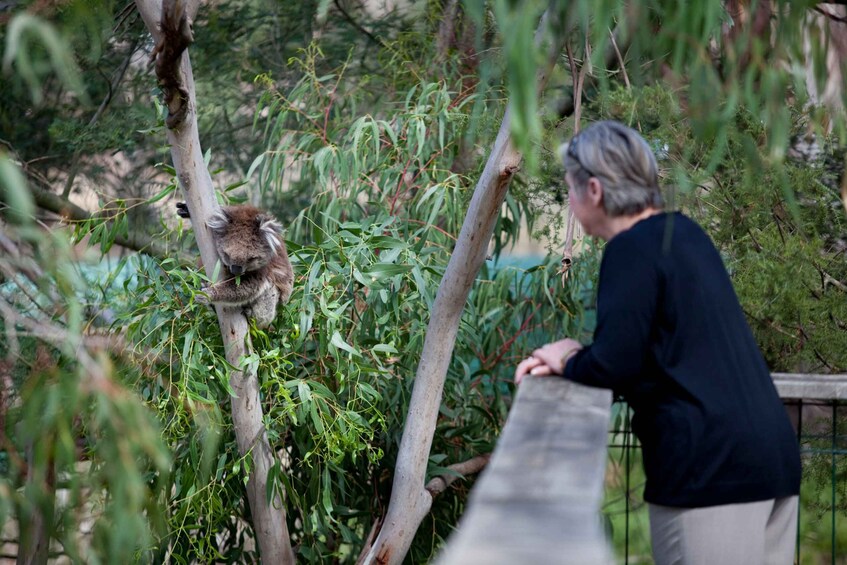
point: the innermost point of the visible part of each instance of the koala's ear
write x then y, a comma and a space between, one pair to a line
219, 221
271, 230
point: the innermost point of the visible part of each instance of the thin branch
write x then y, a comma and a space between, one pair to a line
10, 249
620, 60
135, 241
439, 484
817, 353
772, 324
79, 345
27, 267
94, 375
433, 226
356, 24
113, 85
123, 15
369, 541
11, 275
610, 57
509, 342
827, 279
567, 252
829, 15
579, 82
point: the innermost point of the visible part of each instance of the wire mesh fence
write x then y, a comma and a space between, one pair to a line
821, 427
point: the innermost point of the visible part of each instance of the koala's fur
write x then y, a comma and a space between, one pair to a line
258, 274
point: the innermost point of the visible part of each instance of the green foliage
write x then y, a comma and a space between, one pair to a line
15, 193
70, 431
385, 210
369, 143
725, 67
23, 34
336, 371
518, 22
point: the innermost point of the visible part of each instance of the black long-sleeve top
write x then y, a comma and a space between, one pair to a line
671, 338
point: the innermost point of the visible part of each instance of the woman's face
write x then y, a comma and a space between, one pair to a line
587, 204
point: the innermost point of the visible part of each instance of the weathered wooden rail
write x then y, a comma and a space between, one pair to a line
811, 387
539, 499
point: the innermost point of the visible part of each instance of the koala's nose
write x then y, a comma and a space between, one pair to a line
236, 269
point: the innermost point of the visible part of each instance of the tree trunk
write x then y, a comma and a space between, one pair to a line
410, 501
268, 516
35, 532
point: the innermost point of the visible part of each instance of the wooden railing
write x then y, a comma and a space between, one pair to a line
812, 387
538, 501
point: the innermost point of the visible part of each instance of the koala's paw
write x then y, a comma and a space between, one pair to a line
258, 315
202, 298
182, 210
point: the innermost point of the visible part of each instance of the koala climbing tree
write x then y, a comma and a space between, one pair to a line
169, 23
258, 274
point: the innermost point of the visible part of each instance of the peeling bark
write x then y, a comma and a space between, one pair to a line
176, 36
268, 515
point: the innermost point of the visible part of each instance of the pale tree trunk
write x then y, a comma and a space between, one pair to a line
34, 539
447, 29
268, 516
410, 500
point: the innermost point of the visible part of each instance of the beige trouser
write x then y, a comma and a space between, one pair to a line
754, 533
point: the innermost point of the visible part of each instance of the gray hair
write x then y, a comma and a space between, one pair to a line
623, 162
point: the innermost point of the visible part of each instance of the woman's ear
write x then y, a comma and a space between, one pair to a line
594, 191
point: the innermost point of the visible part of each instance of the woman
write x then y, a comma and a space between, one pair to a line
721, 458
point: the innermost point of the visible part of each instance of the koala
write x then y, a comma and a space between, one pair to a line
258, 274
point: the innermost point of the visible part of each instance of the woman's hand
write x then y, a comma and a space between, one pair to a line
547, 360
528, 367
